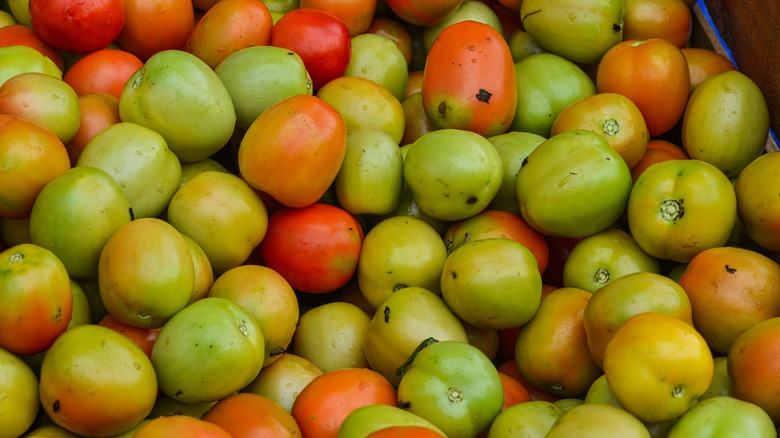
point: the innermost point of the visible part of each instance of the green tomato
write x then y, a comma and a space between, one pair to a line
723, 416
599, 392
22, 59
207, 351
721, 382
574, 184
453, 174
370, 418
19, 385
546, 84
468, 10
513, 147
522, 45
331, 336
378, 58
600, 258
532, 419
579, 30
454, 386
183, 99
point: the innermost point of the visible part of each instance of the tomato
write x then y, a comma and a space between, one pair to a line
381, 419
102, 71
19, 34
180, 97
142, 337
98, 111
332, 335
136, 157
657, 366
627, 296
247, 414
180, 425
598, 420
612, 115
703, 63
551, 350
601, 258
514, 147
572, 185
472, 89
229, 26
95, 381
379, 59
293, 150
31, 157
43, 99
284, 379
320, 38
758, 209
324, 404
753, 363
468, 10
652, 73
534, 418
82, 195
155, 26
423, 13
454, 386
452, 173
745, 418
401, 322
671, 20
396, 31
726, 122
405, 431
580, 31
514, 391
207, 351
357, 15
229, 239
492, 283
78, 26
21, 59
400, 251
657, 150
721, 382
678, 208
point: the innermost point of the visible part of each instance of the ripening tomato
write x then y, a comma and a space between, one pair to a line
758, 207
154, 26
753, 364
19, 34
102, 71
396, 31
425, 13
356, 14
473, 89
703, 63
657, 150
320, 38
79, 26
98, 111
671, 20
653, 73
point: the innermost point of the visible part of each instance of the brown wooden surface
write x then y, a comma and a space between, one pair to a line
751, 29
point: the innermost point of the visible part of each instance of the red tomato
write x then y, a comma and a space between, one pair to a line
78, 26
653, 73
156, 25
102, 71
21, 35
315, 248
657, 150
142, 337
320, 38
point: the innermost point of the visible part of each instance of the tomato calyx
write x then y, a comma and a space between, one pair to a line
672, 209
401, 370
601, 276
611, 127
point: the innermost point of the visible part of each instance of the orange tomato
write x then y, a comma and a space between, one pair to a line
405, 432
180, 425
229, 26
142, 337
652, 73
315, 248
509, 367
246, 415
98, 111
21, 35
30, 156
731, 289
657, 150
152, 26
703, 63
325, 402
668, 19
356, 14
753, 365
35, 290
294, 150
425, 13
473, 89
396, 31
102, 71
514, 391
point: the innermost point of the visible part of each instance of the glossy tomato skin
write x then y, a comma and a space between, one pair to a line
425, 13
315, 248
473, 89
668, 19
78, 26
320, 38
152, 27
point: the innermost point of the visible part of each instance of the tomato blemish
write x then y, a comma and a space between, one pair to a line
730, 270
484, 95
387, 314
443, 109
55, 407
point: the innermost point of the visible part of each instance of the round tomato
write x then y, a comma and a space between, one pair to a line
356, 14
247, 414
657, 150
534, 418
152, 27
19, 34
514, 147
454, 386
284, 379
652, 73
423, 13
142, 337
315, 248
380, 418
20, 404
758, 208
678, 208
78, 26
331, 336
320, 38
102, 71
180, 425
703, 63
98, 111
721, 416
671, 20
598, 420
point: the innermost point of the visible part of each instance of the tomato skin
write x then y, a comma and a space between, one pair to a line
154, 26
703, 63
102, 71
142, 337
472, 89
657, 150
320, 38
668, 19
19, 34
652, 73
425, 13
678, 208
753, 364
758, 208
78, 26
723, 416
315, 248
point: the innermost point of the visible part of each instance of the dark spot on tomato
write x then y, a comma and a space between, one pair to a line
443, 110
177, 394
454, 275
132, 215
404, 404
484, 95
387, 314
399, 286
530, 13
730, 270
277, 352
525, 161
472, 200
466, 237
616, 27
55, 407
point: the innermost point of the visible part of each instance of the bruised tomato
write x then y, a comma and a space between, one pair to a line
469, 80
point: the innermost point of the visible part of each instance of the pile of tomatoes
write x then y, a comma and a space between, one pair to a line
382, 218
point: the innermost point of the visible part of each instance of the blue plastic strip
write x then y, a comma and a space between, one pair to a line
726, 48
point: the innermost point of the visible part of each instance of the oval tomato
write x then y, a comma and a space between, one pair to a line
98, 111
152, 27
652, 73
102, 71
473, 89
78, 26
724, 415
671, 20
